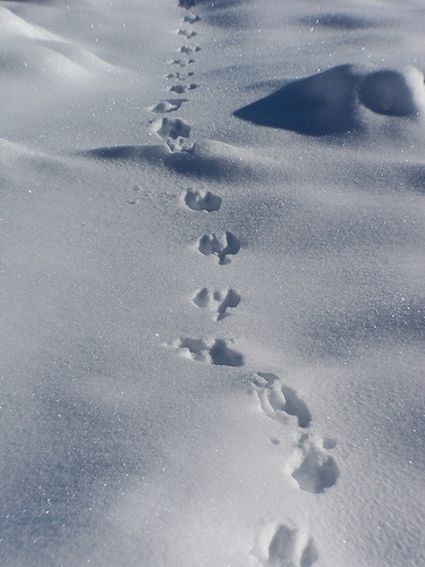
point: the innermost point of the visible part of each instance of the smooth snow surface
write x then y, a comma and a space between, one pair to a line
212, 283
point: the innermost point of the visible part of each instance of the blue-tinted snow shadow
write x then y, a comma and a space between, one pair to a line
337, 21
315, 106
211, 160
66, 461
344, 334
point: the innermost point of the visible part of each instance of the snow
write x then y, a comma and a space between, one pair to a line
212, 275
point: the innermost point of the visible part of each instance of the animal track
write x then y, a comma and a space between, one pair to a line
179, 76
202, 201
284, 546
182, 62
226, 244
181, 89
186, 33
189, 49
175, 133
212, 351
217, 301
171, 128
312, 468
169, 105
191, 19
278, 401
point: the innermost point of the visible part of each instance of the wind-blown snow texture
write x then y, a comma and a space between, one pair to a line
212, 283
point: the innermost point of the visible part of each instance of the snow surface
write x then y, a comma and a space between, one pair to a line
212, 276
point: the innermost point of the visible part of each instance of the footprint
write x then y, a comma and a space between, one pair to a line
311, 466
169, 105
212, 351
191, 19
189, 49
284, 546
278, 401
181, 89
179, 76
182, 62
175, 133
221, 354
217, 301
171, 128
186, 33
221, 246
195, 349
202, 201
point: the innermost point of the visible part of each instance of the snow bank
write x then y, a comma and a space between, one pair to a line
335, 100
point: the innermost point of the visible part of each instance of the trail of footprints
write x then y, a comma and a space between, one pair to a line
311, 468
175, 132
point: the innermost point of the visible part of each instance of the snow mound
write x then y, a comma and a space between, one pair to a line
53, 60
334, 101
28, 50
13, 25
393, 93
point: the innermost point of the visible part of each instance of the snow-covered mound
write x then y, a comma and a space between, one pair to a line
13, 25
334, 101
30, 52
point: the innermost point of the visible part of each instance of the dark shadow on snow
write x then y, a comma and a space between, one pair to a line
316, 106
